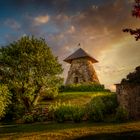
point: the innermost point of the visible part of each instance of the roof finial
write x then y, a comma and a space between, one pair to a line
79, 44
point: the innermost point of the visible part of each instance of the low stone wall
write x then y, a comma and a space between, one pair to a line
129, 97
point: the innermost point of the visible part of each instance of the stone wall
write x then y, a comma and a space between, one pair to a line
81, 70
129, 97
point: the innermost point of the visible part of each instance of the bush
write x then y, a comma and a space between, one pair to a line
50, 94
85, 87
121, 114
28, 118
37, 115
95, 110
40, 114
4, 100
110, 101
78, 113
16, 110
61, 112
101, 105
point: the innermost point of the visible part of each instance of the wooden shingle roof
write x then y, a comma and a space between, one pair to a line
80, 53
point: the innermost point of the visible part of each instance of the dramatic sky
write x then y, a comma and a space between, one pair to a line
96, 24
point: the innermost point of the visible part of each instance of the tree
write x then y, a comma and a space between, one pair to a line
29, 68
135, 13
133, 77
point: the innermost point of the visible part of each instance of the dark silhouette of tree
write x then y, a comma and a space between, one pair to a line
135, 13
133, 77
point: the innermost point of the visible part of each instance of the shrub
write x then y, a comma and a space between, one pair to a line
50, 94
101, 105
110, 101
14, 111
78, 113
37, 115
61, 112
52, 109
95, 109
84, 87
40, 114
28, 118
121, 114
4, 100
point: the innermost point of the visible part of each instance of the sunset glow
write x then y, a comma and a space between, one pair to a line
95, 24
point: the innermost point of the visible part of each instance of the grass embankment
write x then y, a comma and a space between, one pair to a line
55, 131
78, 98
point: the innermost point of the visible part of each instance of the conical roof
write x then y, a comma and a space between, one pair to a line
80, 53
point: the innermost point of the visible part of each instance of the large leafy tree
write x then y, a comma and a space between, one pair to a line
135, 13
29, 68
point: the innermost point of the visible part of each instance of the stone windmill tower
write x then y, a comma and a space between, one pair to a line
81, 69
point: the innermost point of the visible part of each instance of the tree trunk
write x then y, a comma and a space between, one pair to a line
27, 104
36, 98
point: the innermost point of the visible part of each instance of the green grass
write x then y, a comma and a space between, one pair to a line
78, 98
65, 131
55, 131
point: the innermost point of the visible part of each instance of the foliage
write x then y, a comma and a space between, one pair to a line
4, 99
121, 114
28, 68
61, 112
40, 114
37, 115
50, 94
78, 113
136, 13
136, 9
79, 106
101, 105
28, 118
85, 87
110, 101
95, 110
133, 77
15, 111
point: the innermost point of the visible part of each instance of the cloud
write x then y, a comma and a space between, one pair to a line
97, 26
38, 5
100, 33
71, 30
42, 19
13, 24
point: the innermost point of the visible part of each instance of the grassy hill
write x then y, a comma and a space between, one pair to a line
78, 98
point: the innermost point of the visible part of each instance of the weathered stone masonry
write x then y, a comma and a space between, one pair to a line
128, 94
129, 97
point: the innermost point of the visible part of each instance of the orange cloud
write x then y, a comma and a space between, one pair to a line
42, 19
100, 33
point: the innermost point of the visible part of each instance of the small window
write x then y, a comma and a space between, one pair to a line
75, 80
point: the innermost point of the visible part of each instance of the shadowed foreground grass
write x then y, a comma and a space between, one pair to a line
55, 131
